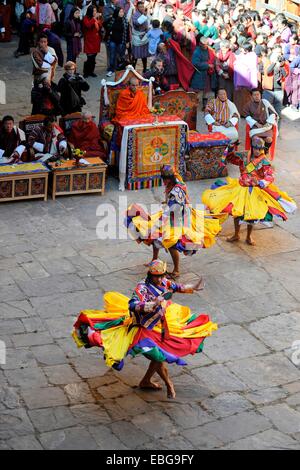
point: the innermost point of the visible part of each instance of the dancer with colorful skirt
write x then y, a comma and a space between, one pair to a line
253, 197
149, 324
178, 227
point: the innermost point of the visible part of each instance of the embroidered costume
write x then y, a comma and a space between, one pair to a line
177, 226
253, 197
145, 324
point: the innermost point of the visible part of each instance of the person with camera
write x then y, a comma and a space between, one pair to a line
276, 70
92, 24
117, 39
70, 87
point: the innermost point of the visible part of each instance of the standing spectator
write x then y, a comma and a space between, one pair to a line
154, 36
92, 40
157, 71
70, 87
55, 42
167, 56
26, 34
140, 41
245, 75
118, 38
108, 11
44, 15
225, 68
73, 35
284, 32
274, 75
204, 78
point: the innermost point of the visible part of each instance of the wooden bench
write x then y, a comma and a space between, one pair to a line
24, 181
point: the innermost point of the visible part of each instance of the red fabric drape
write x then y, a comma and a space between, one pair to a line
185, 68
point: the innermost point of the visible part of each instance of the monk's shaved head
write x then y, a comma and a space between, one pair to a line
133, 81
133, 84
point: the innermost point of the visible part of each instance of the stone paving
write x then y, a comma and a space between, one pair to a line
243, 392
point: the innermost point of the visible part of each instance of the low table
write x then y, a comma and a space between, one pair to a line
68, 178
205, 152
23, 181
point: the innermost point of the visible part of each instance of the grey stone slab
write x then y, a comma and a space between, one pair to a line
12, 326
89, 366
32, 339
44, 397
201, 440
187, 416
60, 327
58, 266
265, 371
115, 411
67, 304
33, 324
49, 419
286, 270
218, 379
61, 374
51, 285
105, 439
14, 423
29, 442
114, 390
267, 440
129, 434
292, 387
9, 312
9, 398
77, 438
133, 405
19, 358
55, 252
27, 378
226, 404
266, 395
233, 342
283, 417
264, 305
79, 393
278, 332
174, 442
294, 400
237, 427
49, 355
90, 415
35, 270
13, 292
155, 424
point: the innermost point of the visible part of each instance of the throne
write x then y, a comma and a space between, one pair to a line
109, 95
180, 103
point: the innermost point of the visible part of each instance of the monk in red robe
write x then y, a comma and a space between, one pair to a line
132, 103
85, 136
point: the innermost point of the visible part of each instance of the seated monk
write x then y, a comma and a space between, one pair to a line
131, 103
85, 136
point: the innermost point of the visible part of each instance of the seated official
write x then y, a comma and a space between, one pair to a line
47, 141
223, 115
261, 116
12, 141
131, 103
85, 135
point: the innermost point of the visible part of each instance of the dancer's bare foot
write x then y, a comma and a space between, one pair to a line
171, 391
150, 385
234, 238
173, 275
250, 241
